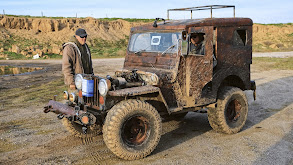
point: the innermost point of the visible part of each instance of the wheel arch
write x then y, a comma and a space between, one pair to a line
149, 94
233, 81
156, 99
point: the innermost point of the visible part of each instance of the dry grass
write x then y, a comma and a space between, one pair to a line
268, 63
32, 95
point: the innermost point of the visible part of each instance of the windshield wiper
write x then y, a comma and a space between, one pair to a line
141, 50
171, 47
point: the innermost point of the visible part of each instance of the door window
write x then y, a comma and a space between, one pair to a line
197, 44
240, 38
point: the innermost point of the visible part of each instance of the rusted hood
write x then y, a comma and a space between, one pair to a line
165, 75
164, 66
134, 91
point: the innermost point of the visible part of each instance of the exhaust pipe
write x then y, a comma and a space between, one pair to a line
59, 108
84, 118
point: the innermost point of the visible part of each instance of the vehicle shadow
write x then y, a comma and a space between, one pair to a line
176, 132
271, 97
280, 153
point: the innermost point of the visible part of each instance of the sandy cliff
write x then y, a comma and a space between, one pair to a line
45, 35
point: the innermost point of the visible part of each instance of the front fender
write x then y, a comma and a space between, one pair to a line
141, 92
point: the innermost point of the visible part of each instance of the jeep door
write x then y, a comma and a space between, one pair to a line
196, 69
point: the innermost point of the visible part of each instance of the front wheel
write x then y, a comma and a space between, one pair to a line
76, 129
230, 114
132, 129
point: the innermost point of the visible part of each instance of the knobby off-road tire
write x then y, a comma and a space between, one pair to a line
230, 114
76, 129
132, 129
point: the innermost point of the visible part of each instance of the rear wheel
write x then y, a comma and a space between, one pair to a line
230, 114
132, 129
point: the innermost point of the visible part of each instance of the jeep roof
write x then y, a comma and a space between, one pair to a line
186, 23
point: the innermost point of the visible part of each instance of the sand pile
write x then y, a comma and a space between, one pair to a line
45, 27
44, 35
273, 37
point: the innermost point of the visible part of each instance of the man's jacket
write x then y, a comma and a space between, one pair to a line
72, 62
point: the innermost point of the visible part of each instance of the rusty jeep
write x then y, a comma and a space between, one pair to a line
162, 78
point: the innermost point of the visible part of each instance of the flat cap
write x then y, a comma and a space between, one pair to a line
81, 33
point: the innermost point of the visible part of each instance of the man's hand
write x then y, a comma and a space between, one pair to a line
72, 86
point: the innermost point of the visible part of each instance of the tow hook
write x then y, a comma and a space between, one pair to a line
84, 129
60, 116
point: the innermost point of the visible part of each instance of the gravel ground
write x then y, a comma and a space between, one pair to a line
28, 136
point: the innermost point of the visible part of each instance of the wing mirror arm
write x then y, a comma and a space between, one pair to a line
184, 46
184, 43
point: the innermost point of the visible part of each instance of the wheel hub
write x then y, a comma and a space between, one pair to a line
233, 110
134, 131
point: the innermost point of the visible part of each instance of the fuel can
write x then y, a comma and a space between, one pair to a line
87, 87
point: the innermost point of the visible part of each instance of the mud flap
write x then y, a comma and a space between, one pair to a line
253, 87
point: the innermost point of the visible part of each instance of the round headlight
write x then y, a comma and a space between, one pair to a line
153, 78
78, 81
103, 87
65, 95
72, 97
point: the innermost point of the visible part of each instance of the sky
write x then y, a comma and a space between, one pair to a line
260, 11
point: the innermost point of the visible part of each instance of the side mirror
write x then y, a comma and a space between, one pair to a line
184, 43
184, 35
184, 47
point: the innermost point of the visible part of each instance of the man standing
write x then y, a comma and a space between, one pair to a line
76, 57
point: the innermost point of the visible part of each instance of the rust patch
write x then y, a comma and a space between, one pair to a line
134, 91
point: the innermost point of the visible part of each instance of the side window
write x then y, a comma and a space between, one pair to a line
197, 44
240, 38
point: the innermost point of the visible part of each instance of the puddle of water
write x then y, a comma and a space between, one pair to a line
8, 70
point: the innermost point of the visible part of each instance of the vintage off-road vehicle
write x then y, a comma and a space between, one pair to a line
161, 78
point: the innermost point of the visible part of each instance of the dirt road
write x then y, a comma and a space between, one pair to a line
28, 136
274, 54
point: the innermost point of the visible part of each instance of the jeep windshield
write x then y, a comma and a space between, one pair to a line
154, 42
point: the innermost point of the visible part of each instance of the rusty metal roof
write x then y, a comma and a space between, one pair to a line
186, 23
209, 7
